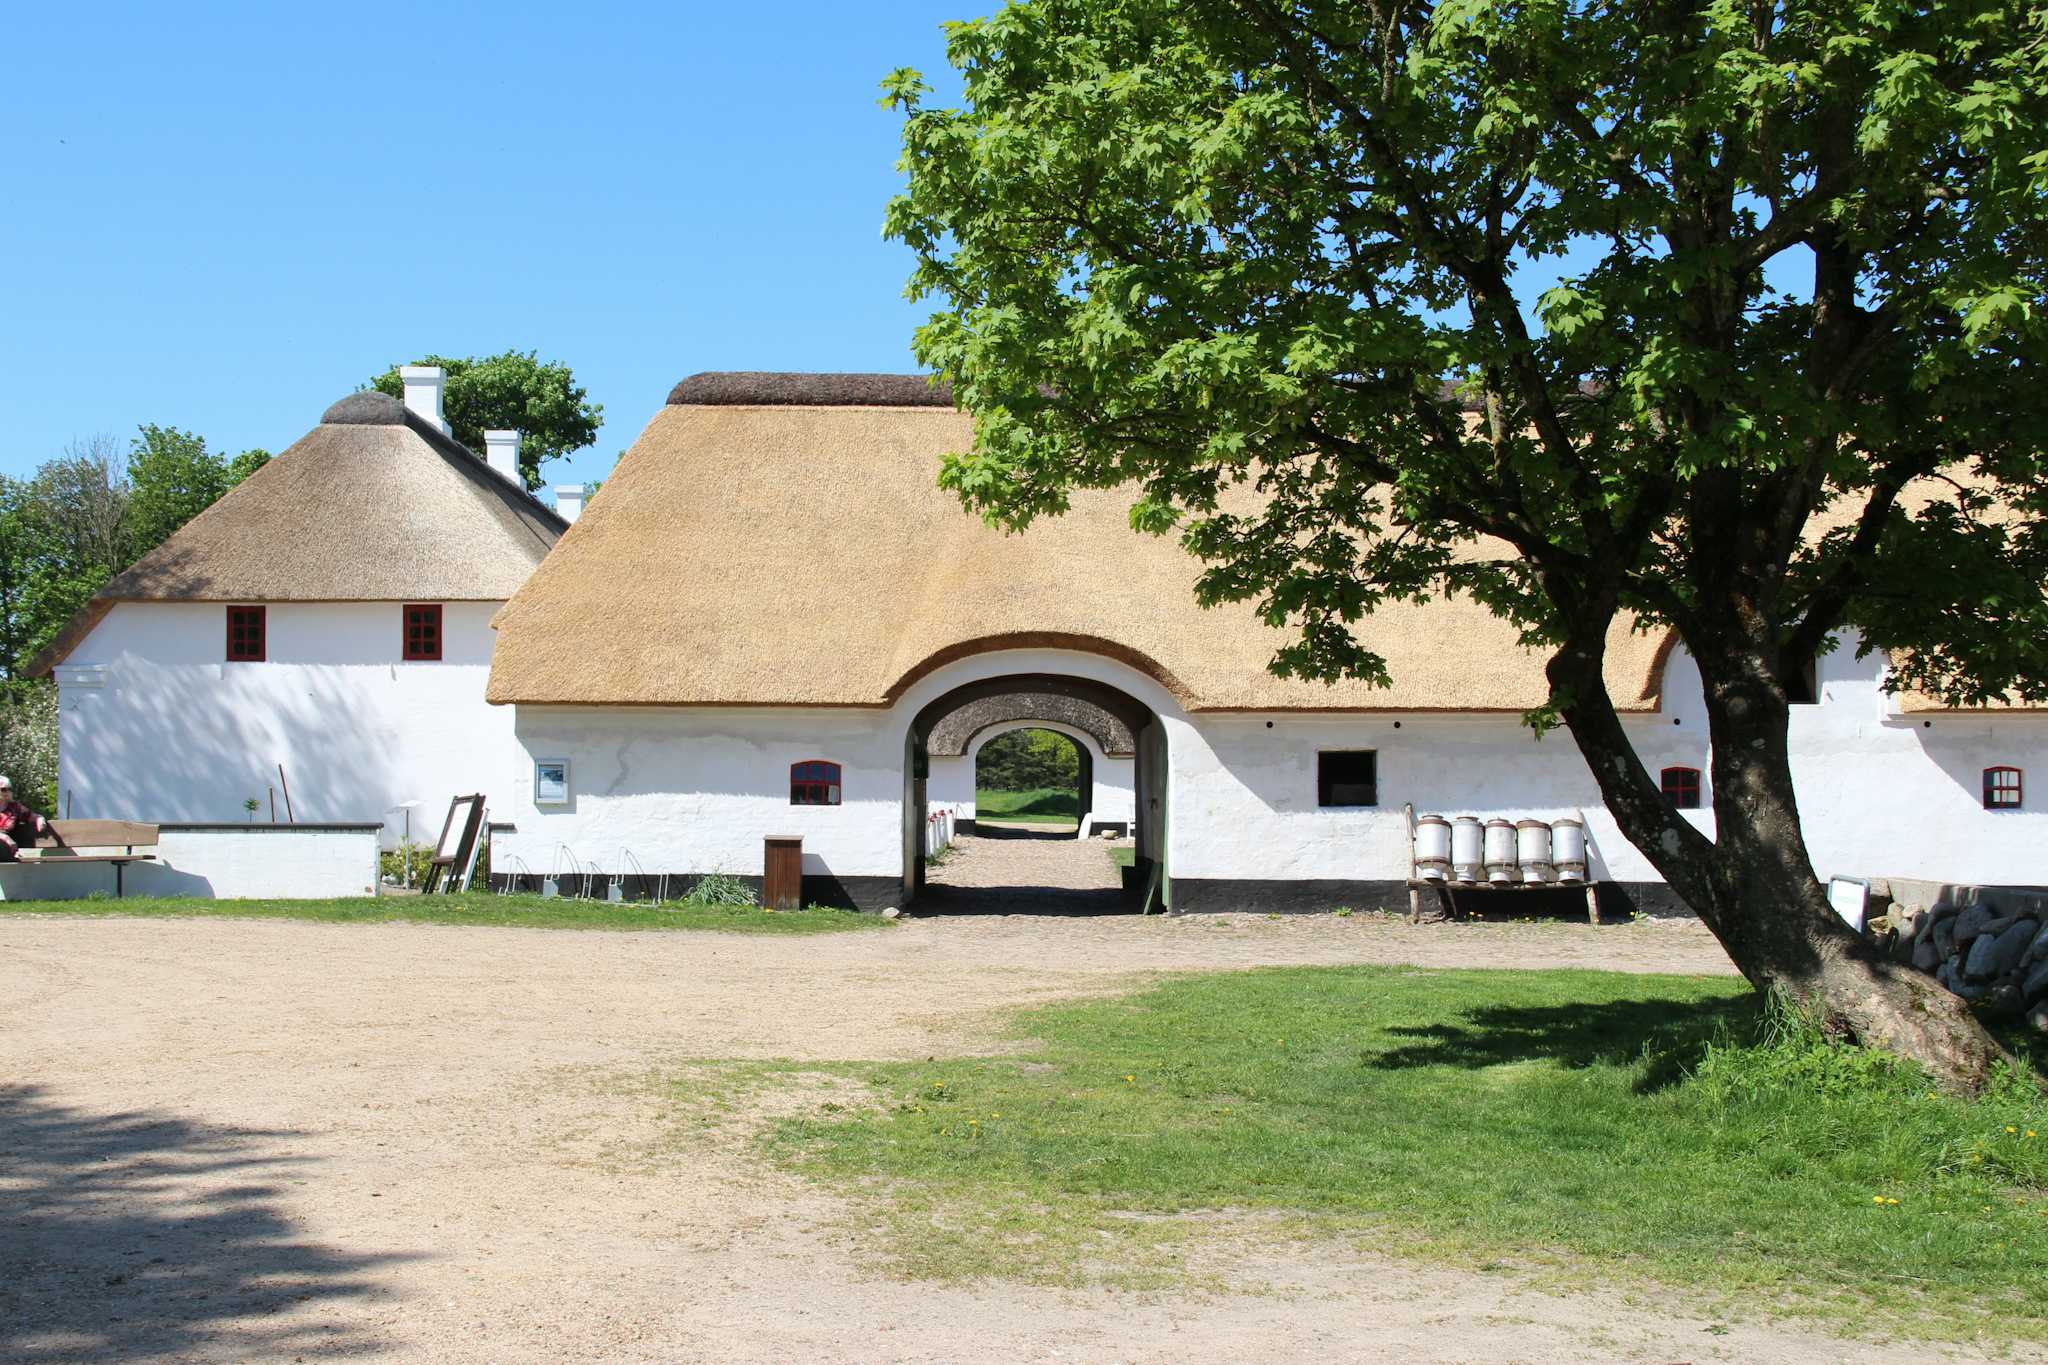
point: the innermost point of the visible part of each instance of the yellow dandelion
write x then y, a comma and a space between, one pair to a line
1130, 1080
2030, 1132
1891, 1201
1877, 1199
2010, 1129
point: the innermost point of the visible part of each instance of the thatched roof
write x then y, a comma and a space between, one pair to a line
791, 552
372, 505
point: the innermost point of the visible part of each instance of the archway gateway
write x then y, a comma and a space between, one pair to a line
1123, 749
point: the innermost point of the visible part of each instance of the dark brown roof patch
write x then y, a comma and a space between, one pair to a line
775, 389
367, 408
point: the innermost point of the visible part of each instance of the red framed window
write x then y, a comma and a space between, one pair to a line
247, 636
814, 782
422, 631
2003, 789
1681, 786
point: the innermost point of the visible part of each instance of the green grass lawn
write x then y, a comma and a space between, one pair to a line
1045, 806
530, 912
1580, 1127
1123, 855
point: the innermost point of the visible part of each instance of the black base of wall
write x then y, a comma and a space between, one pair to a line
1618, 900
839, 893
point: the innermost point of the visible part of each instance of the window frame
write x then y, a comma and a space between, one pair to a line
831, 788
1681, 786
260, 615
406, 650
1995, 791
1327, 782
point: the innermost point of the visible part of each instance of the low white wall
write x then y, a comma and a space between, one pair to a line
154, 725
219, 862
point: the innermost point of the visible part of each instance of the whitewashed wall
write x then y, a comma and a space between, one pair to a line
174, 733
951, 785
697, 789
1880, 795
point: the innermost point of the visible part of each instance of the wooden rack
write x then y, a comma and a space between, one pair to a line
1445, 886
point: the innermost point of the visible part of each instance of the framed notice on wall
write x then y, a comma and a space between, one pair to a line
551, 782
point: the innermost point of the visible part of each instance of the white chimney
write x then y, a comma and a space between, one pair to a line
423, 385
569, 501
501, 452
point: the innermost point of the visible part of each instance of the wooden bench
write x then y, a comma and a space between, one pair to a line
117, 842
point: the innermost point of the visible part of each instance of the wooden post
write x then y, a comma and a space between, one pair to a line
1592, 902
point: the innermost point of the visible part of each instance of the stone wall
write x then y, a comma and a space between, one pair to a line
1989, 945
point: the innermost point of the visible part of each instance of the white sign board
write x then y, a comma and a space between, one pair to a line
1850, 897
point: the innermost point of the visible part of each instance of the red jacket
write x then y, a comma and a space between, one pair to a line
19, 823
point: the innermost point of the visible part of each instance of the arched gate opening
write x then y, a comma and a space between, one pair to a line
1109, 864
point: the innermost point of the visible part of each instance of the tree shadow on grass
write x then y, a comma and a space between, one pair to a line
1671, 1035
133, 1234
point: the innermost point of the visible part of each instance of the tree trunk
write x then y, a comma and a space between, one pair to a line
1753, 884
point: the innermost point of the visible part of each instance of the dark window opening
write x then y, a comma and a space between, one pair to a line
1347, 777
1803, 687
246, 635
2002, 789
1681, 787
814, 782
423, 631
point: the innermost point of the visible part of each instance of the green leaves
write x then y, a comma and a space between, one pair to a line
1227, 255
512, 391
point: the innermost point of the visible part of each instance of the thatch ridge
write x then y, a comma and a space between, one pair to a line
790, 389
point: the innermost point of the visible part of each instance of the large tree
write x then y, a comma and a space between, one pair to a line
1786, 385
512, 391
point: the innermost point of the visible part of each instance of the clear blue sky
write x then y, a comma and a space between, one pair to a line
223, 217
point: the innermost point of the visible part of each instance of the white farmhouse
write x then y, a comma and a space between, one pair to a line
330, 617
775, 623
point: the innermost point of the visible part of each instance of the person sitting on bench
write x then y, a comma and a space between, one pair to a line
16, 822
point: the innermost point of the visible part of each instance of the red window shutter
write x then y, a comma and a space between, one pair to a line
1682, 786
247, 635
2004, 788
422, 627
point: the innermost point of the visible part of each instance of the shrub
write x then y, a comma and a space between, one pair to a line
721, 888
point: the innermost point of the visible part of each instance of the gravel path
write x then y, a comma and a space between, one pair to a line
1022, 870
224, 1140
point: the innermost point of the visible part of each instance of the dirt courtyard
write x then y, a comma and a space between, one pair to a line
234, 1139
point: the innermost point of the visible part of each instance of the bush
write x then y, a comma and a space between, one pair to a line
28, 743
1025, 760
407, 857
721, 888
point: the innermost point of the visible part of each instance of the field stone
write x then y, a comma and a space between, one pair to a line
1926, 956
2036, 984
1945, 937
2039, 952
1978, 919
2038, 1017
1996, 954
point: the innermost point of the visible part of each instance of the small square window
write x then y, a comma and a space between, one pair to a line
2003, 789
423, 631
1681, 787
1347, 777
247, 636
814, 782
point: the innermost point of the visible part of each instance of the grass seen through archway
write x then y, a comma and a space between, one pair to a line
1028, 777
